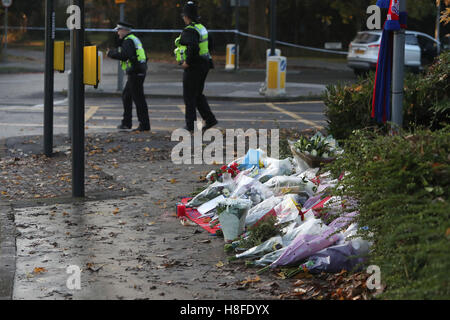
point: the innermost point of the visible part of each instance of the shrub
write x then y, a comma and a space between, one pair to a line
426, 101
427, 96
402, 185
348, 107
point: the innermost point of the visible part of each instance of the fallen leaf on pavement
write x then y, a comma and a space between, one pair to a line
250, 280
39, 270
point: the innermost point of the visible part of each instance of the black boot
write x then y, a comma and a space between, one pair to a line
123, 127
209, 125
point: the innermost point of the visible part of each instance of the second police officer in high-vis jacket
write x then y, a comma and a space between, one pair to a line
134, 62
193, 55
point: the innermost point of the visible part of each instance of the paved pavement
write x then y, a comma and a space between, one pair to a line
128, 244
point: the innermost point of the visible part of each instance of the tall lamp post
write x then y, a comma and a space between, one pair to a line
273, 26
398, 72
6, 4
78, 133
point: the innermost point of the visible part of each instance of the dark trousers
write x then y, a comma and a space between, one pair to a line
193, 85
134, 92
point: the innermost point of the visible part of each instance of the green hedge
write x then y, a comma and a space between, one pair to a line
426, 101
348, 107
402, 185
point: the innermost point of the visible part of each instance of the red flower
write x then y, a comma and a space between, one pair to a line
234, 165
230, 171
224, 168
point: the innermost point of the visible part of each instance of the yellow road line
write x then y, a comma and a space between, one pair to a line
182, 108
90, 113
294, 115
301, 102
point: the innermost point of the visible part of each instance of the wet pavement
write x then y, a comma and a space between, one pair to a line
124, 236
127, 246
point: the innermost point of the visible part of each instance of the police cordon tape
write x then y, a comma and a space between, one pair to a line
180, 30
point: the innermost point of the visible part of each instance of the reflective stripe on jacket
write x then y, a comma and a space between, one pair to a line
203, 41
140, 53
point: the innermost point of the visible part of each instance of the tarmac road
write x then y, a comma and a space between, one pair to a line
104, 114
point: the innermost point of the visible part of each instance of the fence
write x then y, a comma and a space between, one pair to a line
160, 39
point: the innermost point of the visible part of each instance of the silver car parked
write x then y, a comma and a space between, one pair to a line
420, 50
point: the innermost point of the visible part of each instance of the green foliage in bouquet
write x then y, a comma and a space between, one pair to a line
316, 146
261, 232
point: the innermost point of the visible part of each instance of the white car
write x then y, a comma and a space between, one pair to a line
420, 50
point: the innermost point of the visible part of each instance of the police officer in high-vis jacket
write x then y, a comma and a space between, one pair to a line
134, 62
193, 55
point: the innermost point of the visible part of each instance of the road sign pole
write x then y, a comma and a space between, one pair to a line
70, 92
6, 29
273, 26
236, 39
119, 67
398, 71
49, 77
78, 134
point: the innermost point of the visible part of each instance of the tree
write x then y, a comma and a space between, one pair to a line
353, 11
445, 17
255, 50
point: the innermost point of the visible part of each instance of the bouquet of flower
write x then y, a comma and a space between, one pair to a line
315, 150
317, 146
211, 192
232, 213
232, 169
